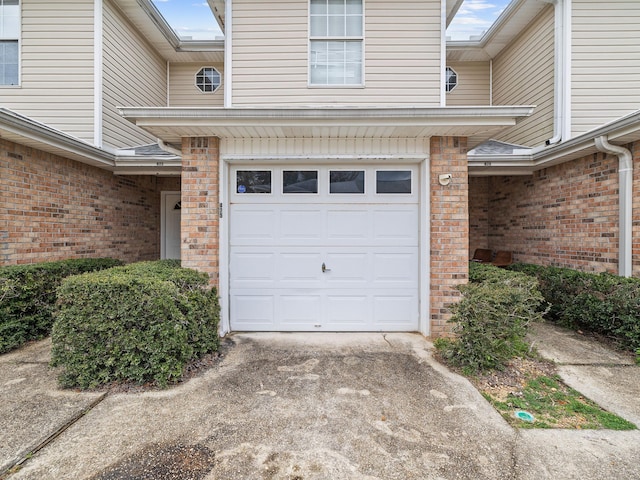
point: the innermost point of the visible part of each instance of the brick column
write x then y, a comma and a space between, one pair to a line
200, 221
449, 228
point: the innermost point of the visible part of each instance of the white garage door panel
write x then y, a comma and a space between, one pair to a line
297, 225
331, 310
300, 267
368, 244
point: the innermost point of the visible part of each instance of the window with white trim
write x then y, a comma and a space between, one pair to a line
208, 79
451, 79
335, 42
9, 41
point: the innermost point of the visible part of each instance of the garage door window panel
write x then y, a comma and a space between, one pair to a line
346, 181
393, 182
299, 181
253, 181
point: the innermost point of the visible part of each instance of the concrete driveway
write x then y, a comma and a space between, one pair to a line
321, 406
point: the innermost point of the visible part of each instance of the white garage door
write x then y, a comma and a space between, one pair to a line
324, 249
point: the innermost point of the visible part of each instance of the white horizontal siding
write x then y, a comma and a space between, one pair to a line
473, 84
523, 74
182, 86
134, 75
270, 55
255, 147
56, 66
606, 62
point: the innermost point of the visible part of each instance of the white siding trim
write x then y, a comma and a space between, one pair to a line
228, 57
443, 52
97, 73
424, 309
223, 241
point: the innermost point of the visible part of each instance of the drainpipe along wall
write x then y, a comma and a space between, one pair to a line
625, 173
562, 70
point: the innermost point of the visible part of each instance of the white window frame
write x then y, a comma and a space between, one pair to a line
450, 86
198, 74
359, 39
15, 39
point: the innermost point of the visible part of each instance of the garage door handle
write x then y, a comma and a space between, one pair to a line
324, 268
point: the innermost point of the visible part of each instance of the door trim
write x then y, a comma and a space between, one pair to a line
163, 221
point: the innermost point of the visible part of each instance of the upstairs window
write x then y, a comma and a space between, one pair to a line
208, 80
335, 42
451, 79
9, 36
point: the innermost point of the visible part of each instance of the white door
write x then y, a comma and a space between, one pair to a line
170, 228
324, 249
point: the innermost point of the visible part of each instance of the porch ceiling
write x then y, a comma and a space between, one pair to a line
476, 123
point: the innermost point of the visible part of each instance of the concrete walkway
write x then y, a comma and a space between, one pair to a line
294, 406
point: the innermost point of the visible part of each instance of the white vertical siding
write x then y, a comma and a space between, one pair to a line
523, 74
401, 55
182, 86
56, 65
606, 61
134, 75
473, 84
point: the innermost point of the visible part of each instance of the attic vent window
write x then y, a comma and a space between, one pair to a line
451, 79
208, 79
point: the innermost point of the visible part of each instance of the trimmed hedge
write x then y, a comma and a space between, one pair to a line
138, 323
492, 319
28, 296
601, 303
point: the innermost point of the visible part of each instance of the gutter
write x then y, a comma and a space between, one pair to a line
59, 143
625, 192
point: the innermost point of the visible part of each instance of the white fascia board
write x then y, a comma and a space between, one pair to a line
625, 127
49, 137
496, 115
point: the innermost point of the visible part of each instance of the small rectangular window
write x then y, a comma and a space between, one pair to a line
393, 181
9, 42
346, 181
300, 181
253, 181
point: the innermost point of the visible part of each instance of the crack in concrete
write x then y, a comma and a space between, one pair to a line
10, 469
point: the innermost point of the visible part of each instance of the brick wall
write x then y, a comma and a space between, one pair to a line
449, 228
565, 215
478, 213
200, 200
54, 208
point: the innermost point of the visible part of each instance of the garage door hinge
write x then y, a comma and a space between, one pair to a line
220, 210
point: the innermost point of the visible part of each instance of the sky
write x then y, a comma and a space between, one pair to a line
475, 17
193, 18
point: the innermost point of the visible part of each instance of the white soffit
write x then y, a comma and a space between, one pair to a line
146, 18
518, 15
478, 123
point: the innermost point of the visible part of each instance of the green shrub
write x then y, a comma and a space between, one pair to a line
491, 319
140, 323
28, 296
601, 303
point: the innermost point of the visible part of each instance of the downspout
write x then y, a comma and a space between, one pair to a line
228, 58
97, 73
625, 173
561, 72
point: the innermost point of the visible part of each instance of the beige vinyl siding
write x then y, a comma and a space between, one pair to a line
182, 86
523, 74
134, 75
56, 66
606, 61
473, 84
270, 55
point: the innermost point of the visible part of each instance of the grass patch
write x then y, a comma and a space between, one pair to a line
532, 386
